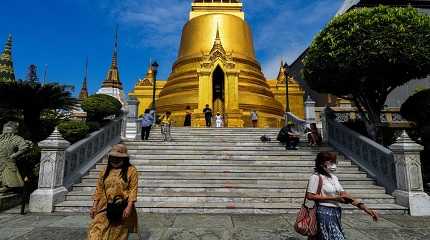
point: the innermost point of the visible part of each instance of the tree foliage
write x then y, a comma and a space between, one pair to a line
73, 131
366, 53
100, 106
32, 101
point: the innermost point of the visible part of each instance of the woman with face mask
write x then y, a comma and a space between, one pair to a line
329, 197
116, 185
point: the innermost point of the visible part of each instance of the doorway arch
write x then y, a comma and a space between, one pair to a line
218, 90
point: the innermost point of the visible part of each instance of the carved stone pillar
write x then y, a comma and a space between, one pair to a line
132, 123
51, 174
409, 191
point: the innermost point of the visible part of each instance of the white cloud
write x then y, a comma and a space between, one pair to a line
282, 28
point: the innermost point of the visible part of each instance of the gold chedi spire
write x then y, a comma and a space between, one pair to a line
84, 90
112, 79
281, 75
7, 73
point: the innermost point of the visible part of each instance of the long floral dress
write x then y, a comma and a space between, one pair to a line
100, 229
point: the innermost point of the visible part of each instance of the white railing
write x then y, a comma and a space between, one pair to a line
299, 124
372, 157
83, 155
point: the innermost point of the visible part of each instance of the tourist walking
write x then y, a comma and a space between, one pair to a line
218, 120
166, 124
147, 122
113, 213
187, 120
208, 115
324, 188
254, 118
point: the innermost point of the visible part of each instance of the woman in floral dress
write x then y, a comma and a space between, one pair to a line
120, 178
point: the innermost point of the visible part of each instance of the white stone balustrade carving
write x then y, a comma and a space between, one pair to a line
63, 164
410, 192
51, 174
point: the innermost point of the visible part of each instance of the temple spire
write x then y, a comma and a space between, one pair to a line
281, 75
84, 90
112, 77
7, 73
217, 43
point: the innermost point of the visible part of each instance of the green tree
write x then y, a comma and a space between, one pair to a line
33, 100
366, 53
100, 106
417, 109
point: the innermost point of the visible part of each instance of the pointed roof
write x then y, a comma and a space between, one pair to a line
148, 80
281, 75
84, 90
112, 79
7, 73
217, 47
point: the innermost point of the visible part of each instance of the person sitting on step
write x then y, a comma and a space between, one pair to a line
289, 137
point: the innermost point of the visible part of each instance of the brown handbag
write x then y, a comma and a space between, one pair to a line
306, 221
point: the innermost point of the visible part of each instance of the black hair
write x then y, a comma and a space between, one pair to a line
168, 113
147, 110
322, 158
188, 108
124, 168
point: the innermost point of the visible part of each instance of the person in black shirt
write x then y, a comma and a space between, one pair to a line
208, 115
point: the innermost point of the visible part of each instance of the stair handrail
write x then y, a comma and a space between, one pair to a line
375, 159
84, 154
300, 125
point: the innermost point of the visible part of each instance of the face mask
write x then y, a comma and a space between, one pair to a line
332, 167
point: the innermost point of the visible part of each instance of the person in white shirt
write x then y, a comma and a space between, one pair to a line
328, 200
218, 120
254, 118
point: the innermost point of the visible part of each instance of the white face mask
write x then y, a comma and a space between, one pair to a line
332, 167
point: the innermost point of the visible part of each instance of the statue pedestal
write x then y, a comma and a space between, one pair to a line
9, 200
43, 200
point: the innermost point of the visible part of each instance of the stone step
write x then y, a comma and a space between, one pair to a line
230, 182
243, 189
211, 144
232, 175
174, 169
218, 207
236, 199
189, 147
234, 162
163, 161
228, 152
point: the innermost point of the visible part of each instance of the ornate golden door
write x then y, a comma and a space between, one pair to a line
218, 84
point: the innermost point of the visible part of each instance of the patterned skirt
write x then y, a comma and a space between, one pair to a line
329, 223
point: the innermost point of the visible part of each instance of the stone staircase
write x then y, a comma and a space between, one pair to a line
226, 171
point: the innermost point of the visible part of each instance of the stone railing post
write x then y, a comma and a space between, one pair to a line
132, 126
51, 174
310, 114
410, 192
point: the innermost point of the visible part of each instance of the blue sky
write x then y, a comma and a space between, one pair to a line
62, 33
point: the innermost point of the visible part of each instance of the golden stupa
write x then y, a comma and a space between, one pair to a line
216, 65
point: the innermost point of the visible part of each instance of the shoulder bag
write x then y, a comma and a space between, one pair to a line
306, 221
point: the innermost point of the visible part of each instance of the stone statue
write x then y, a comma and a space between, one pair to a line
11, 147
